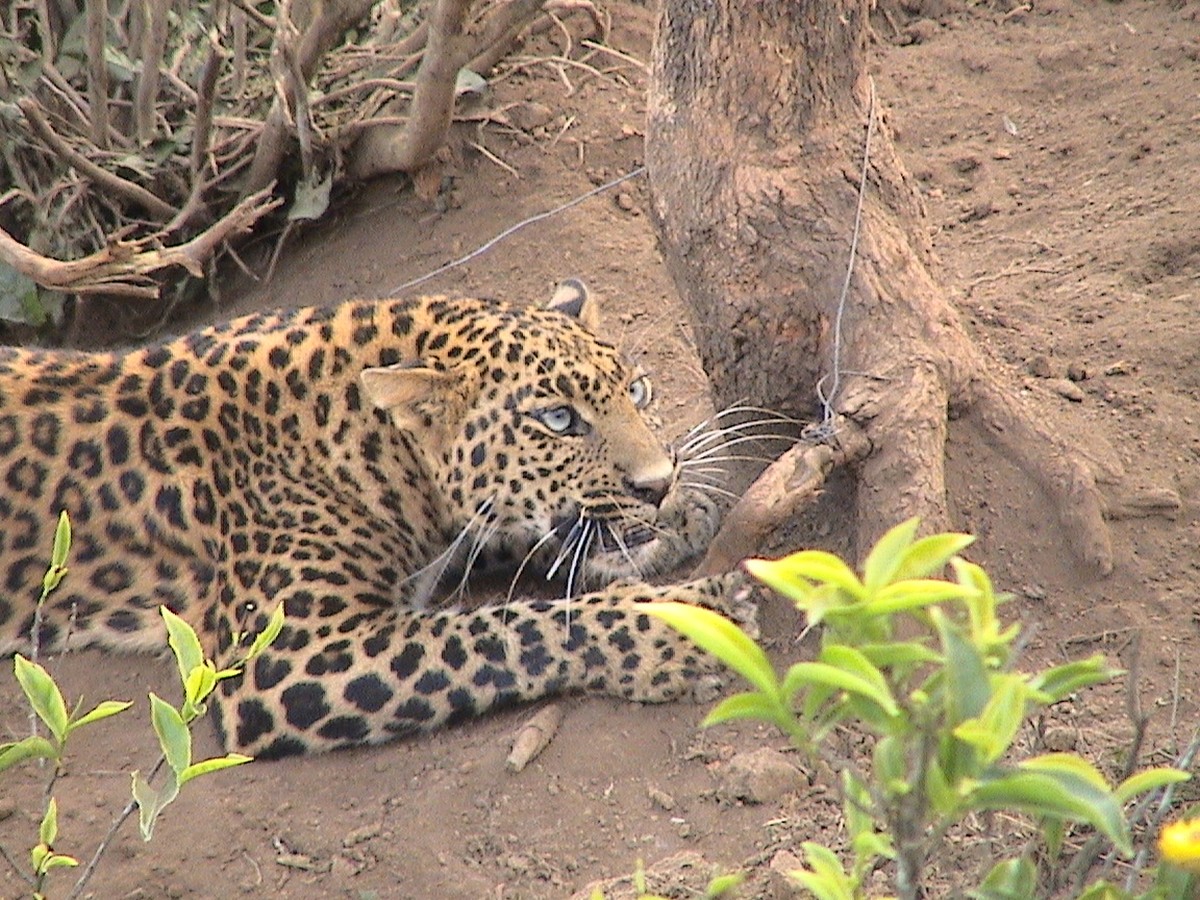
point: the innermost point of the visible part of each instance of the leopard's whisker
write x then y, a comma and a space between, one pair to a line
482, 538
525, 560
623, 547
713, 489
726, 436
442, 561
568, 545
710, 424
581, 551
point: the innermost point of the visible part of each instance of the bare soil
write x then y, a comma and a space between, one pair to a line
1057, 152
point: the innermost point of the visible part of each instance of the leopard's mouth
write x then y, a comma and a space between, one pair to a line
609, 536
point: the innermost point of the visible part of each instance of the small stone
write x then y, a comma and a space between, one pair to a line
1069, 56
1040, 367
1001, 153
1061, 740
922, 31
780, 885
360, 835
1120, 367
8, 808
966, 164
530, 115
660, 798
625, 201
760, 776
1077, 371
1068, 389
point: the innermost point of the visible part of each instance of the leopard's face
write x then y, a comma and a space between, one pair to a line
542, 441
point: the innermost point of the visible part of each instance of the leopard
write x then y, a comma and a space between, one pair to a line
355, 465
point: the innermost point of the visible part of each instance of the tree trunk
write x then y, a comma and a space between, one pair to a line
758, 115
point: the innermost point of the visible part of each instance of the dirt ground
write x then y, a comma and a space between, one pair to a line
1057, 148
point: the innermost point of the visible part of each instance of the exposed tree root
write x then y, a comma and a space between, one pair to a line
756, 212
786, 486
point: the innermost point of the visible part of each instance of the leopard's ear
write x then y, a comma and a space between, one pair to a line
430, 402
572, 298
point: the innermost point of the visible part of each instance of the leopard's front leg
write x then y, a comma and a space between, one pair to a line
401, 671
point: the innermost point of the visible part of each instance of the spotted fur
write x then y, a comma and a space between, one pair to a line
349, 463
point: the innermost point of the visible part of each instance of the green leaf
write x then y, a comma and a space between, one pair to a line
38, 857
216, 764
1062, 681
1054, 833
151, 802
59, 861
929, 555
198, 685
993, 731
181, 638
902, 654
720, 637
102, 711
48, 830
853, 661
1012, 879
940, 792
965, 683
43, 695
1148, 780
1054, 793
832, 676
267, 636
887, 556
901, 596
173, 734
721, 885
826, 879
1066, 764
749, 706
794, 575
62, 541
19, 297
33, 747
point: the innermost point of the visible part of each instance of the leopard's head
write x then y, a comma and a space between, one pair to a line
536, 433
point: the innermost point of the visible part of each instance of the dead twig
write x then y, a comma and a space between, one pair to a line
403, 149
153, 46
534, 737
97, 23
123, 268
105, 180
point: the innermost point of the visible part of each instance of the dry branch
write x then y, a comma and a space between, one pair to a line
318, 38
404, 148
104, 179
123, 268
407, 147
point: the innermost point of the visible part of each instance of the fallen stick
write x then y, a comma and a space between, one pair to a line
534, 737
123, 267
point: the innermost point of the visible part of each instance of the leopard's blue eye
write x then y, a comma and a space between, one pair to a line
640, 392
559, 419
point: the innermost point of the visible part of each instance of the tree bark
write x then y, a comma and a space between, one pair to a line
758, 114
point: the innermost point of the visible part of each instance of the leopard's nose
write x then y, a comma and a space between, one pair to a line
652, 484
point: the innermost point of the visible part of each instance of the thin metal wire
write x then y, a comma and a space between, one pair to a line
825, 429
513, 229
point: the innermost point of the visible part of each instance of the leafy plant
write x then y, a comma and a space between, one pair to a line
199, 677
926, 667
